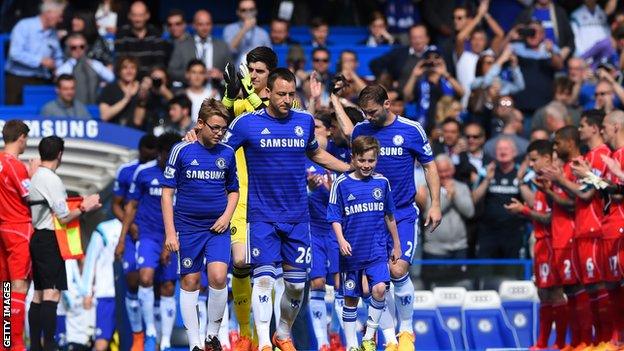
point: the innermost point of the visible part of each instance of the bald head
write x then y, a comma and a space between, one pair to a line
616, 117
202, 23
138, 15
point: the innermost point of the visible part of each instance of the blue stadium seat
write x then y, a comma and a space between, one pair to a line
38, 95
484, 323
449, 302
519, 300
94, 110
431, 333
17, 111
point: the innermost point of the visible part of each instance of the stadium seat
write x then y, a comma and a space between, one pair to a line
38, 95
431, 333
484, 324
519, 299
449, 302
15, 111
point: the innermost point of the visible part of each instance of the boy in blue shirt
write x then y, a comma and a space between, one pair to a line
361, 211
204, 175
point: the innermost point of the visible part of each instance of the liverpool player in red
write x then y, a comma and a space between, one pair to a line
15, 224
566, 146
553, 305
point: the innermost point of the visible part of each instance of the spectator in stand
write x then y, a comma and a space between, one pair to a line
461, 16
438, 14
34, 51
278, 32
244, 35
554, 22
539, 58
97, 47
347, 66
401, 16
154, 95
213, 52
320, 65
397, 64
452, 145
141, 40
65, 104
556, 117
89, 74
197, 90
500, 184
319, 31
605, 95
489, 71
427, 83
564, 92
397, 104
179, 120
118, 100
581, 76
176, 26
513, 127
475, 139
378, 32
539, 134
446, 107
106, 17
592, 35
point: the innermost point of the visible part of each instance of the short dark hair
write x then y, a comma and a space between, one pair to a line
182, 101
375, 93
263, 54
593, 117
176, 12
283, 73
194, 62
563, 84
355, 114
569, 133
325, 117
364, 143
50, 147
166, 141
320, 48
148, 141
123, 59
13, 129
277, 19
317, 22
63, 77
543, 147
451, 120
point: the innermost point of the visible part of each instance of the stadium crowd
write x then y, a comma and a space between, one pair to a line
512, 110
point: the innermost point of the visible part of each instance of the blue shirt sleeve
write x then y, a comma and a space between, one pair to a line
172, 169
312, 143
236, 135
134, 192
231, 179
447, 88
120, 187
421, 146
19, 48
334, 207
389, 200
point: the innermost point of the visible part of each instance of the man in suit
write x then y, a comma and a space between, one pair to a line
213, 52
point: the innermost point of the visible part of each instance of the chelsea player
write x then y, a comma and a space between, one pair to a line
276, 140
361, 211
144, 206
202, 176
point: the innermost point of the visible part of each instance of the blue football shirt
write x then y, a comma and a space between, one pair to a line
146, 188
360, 206
318, 199
402, 143
202, 177
123, 178
275, 151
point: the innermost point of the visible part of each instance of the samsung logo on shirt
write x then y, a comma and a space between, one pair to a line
365, 207
285, 142
391, 151
205, 174
154, 191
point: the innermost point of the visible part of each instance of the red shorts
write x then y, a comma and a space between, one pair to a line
545, 271
588, 253
612, 271
14, 249
565, 266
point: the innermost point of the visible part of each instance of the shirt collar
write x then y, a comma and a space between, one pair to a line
199, 40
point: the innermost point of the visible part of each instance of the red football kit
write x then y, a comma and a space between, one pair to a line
543, 253
562, 229
613, 228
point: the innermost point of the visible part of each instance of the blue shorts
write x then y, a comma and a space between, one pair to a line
197, 248
278, 242
149, 249
408, 227
105, 318
129, 256
168, 272
351, 281
325, 254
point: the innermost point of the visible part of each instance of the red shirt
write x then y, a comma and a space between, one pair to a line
14, 187
589, 214
562, 222
615, 213
540, 205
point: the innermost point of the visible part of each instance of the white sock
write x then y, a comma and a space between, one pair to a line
217, 300
133, 309
404, 299
338, 305
157, 319
146, 299
375, 308
188, 310
386, 322
224, 331
262, 308
202, 313
167, 320
290, 304
349, 316
278, 292
318, 314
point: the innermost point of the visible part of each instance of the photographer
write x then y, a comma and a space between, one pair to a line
154, 95
48, 200
427, 83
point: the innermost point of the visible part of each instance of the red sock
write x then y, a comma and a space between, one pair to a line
575, 327
605, 315
18, 309
595, 314
546, 317
561, 315
583, 309
617, 304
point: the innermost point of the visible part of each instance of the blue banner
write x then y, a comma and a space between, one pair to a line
69, 128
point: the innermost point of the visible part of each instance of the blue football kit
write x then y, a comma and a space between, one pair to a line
121, 186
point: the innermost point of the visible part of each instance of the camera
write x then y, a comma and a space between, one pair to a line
156, 82
526, 32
